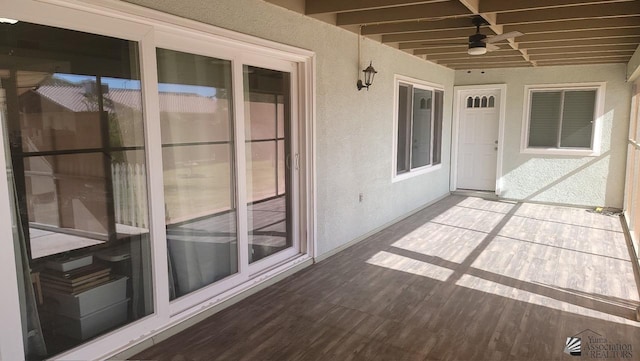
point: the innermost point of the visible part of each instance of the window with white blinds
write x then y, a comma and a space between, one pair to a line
561, 119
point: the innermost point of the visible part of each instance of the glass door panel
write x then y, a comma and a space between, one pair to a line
198, 165
71, 103
267, 107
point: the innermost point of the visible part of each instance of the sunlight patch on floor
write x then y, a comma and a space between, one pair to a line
557, 266
449, 243
470, 218
409, 265
498, 289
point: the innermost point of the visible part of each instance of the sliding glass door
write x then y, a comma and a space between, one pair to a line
71, 105
229, 164
267, 110
196, 120
153, 173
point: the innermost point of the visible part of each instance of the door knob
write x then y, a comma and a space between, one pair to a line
496, 142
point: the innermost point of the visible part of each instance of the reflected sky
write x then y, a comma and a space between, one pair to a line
135, 85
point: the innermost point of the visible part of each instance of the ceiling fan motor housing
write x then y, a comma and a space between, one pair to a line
477, 41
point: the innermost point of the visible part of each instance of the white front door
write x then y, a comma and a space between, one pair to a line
478, 139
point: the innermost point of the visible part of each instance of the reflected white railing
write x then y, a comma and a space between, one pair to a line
130, 194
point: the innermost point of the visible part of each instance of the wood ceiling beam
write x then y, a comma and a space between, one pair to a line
568, 36
595, 54
491, 18
616, 9
417, 26
559, 31
519, 5
403, 13
565, 49
451, 43
440, 50
480, 60
585, 61
314, 7
580, 42
506, 59
464, 55
450, 50
573, 25
447, 46
428, 35
487, 65
469, 68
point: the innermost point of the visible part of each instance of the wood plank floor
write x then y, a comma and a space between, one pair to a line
465, 279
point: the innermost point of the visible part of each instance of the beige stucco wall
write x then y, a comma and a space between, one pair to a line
633, 67
354, 129
590, 181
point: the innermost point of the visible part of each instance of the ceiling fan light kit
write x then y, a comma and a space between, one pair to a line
479, 43
478, 49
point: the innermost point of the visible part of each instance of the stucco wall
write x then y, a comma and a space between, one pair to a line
633, 67
354, 129
578, 180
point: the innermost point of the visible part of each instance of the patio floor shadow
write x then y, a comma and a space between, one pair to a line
464, 279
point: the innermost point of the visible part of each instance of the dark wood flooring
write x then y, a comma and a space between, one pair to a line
465, 279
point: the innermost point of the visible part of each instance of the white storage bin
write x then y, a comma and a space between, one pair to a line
91, 300
69, 263
94, 323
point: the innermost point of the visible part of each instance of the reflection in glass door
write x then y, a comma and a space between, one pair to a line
71, 107
268, 161
208, 247
198, 161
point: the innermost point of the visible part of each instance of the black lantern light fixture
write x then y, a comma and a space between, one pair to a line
369, 72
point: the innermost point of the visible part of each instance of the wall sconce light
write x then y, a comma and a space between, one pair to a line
369, 73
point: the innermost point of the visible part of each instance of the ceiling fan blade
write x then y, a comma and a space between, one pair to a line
505, 36
491, 47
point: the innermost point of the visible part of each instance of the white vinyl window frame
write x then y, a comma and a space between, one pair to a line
594, 150
148, 28
400, 80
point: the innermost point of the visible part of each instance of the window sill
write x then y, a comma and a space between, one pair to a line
557, 151
416, 172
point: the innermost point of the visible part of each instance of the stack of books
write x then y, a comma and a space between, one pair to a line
76, 280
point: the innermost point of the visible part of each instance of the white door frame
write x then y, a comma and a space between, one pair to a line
457, 101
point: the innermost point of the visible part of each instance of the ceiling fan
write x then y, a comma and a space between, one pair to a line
479, 43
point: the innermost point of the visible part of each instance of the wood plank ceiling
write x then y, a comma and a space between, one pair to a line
556, 32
